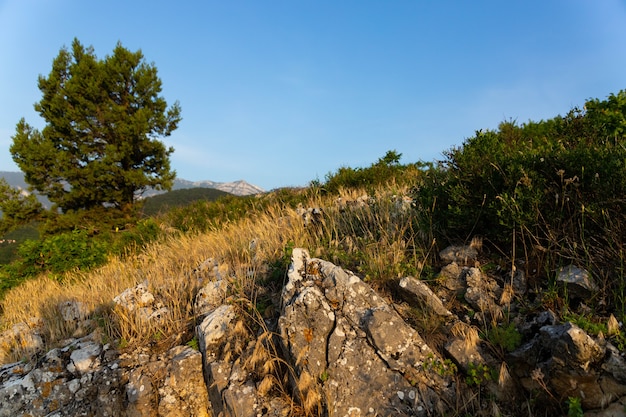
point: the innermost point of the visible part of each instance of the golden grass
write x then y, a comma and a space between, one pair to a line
469, 334
166, 266
247, 246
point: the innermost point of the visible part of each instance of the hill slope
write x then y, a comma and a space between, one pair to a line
176, 198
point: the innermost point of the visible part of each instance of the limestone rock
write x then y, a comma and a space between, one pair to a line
134, 298
483, 293
310, 216
337, 330
570, 363
452, 277
183, 392
141, 301
210, 296
77, 379
84, 357
25, 338
570, 345
241, 400
213, 330
615, 363
424, 296
617, 409
464, 354
141, 395
72, 310
462, 255
577, 282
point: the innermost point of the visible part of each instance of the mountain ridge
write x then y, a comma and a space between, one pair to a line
239, 187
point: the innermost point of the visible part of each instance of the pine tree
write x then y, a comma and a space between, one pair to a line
100, 143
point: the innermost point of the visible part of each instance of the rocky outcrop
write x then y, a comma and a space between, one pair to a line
334, 347
88, 378
368, 361
81, 378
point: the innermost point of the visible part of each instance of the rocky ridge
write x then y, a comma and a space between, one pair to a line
335, 347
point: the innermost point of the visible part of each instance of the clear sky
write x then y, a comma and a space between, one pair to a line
280, 93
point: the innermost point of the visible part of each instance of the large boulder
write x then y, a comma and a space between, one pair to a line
353, 354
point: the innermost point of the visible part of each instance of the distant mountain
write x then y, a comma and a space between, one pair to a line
16, 179
240, 187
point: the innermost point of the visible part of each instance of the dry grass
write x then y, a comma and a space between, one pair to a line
372, 235
167, 268
380, 232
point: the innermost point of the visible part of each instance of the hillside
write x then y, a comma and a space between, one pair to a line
237, 318
161, 203
491, 283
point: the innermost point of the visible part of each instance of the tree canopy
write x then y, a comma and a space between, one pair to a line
100, 145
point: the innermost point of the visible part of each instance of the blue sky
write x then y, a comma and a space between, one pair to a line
280, 93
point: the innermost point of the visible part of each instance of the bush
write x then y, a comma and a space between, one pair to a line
58, 254
552, 189
201, 216
144, 232
386, 169
161, 203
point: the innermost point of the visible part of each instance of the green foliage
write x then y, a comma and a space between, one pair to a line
279, 266
574, 407
204, 215
144, 232
102, 117
324, 376
445, 368
384, 170
550, 187
16, 208
10, 241
477, 374
193, 343
58, 254
506, 337
95, 221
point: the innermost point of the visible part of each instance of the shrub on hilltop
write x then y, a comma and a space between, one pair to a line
386, 169
549, 192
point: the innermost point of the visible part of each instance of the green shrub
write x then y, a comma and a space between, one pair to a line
9, 242
58, 254
574, 407
144, 232
506, 337
386, 169
161, 203
551, 189
478, 374
200, 216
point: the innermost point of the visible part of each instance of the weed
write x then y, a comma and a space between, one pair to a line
505, 337
574, 407
445, 368
477, 374
324, 376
